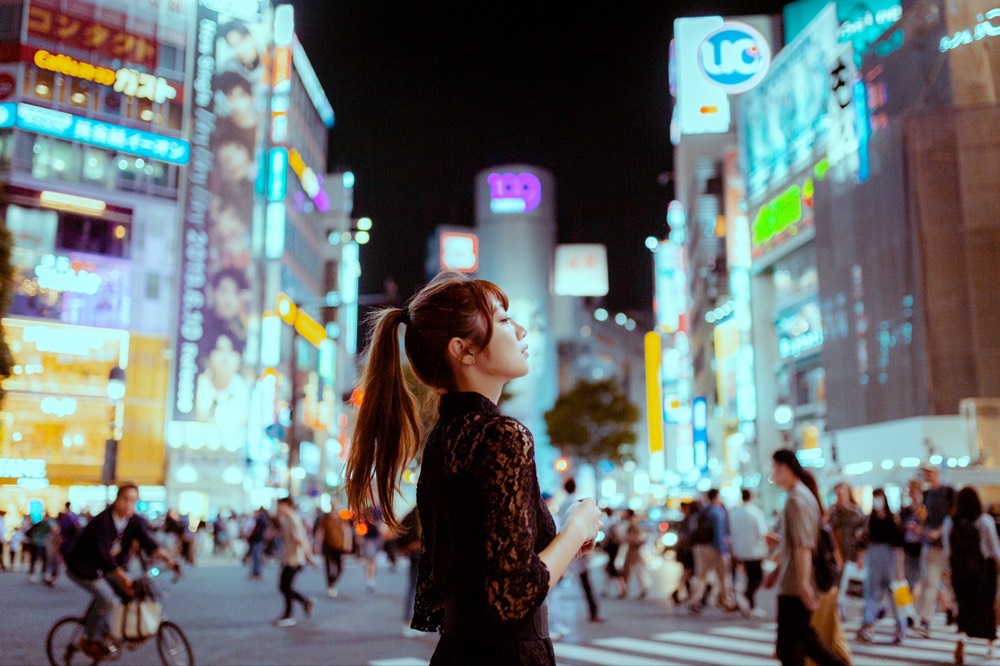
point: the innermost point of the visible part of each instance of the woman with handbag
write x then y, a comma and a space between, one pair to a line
971, 545
491, 551
883, 557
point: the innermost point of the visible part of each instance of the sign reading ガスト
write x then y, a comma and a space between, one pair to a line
735, 57
124, 80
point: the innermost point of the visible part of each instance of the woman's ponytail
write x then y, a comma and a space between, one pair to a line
387, 431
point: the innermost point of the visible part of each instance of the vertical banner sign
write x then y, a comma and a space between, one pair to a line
699, 427
231, 88
654, 404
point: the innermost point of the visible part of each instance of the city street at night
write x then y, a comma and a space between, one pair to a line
227, 619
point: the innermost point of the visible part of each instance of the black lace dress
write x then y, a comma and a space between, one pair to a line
480, 581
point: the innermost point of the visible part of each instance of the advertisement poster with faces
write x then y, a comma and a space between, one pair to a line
212, 380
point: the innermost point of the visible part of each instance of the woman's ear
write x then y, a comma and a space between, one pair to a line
457, 350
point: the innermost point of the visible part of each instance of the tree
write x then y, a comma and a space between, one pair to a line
6, 297
594, 422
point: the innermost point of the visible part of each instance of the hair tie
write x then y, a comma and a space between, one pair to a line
405, 317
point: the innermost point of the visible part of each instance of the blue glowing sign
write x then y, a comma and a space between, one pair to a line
699, 426
103, 135
735, 57
8, 114
277, 174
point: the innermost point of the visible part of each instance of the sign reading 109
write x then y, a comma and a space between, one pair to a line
735, 57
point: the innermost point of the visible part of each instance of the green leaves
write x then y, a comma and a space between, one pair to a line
593, 422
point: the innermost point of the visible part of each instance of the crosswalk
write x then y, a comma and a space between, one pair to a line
743, 645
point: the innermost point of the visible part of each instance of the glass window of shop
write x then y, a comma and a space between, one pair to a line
70, 162
57, 406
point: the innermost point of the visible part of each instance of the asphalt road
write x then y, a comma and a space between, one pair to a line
227, 619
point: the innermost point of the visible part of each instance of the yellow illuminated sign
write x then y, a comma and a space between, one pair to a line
654, 411
126, 81
304, 325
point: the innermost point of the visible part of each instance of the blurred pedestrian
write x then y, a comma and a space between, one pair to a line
38, 536
296, 553
712, 553
330, 533
635, 564
255, 542
798, 533
846, 521
491, 552
580, 566
883, 559
748, 527
939, 500
408, 543
17, 548
3, 541
371, 544
913, 515
614, 537
685, 550
971, 544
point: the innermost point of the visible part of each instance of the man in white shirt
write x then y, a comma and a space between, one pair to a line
747, 527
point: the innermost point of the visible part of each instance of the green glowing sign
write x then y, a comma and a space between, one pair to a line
781, 216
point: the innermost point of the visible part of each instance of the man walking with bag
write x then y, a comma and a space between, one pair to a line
797, 595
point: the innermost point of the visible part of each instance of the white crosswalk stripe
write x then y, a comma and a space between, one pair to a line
591, 655
671, 645
744, 645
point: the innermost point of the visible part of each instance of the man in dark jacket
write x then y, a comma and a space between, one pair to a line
97, 559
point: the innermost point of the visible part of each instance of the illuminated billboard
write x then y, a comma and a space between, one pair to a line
714, 58
581, 270
231, 87
784, 121
103, 135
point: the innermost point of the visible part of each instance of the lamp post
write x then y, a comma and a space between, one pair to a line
116, 392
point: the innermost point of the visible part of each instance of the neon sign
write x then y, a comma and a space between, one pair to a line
64, 125
126, 81
459, 252
57, 274
310, 181
982, 30
735, 57
514, 192
22, 468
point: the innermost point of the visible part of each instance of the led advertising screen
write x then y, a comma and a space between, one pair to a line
231, 88
783, 121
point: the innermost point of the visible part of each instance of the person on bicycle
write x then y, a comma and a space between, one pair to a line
97, 561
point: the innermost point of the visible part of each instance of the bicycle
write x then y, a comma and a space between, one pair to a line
64, 644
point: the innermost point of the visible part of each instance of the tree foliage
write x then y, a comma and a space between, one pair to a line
594, 422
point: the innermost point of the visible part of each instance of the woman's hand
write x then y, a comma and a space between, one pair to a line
583, 519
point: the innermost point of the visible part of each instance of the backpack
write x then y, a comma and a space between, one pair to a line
704, 531
825, 561
967, 561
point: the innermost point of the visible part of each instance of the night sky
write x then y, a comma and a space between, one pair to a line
427, 94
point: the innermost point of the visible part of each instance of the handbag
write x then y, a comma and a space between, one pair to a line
136, 620
903, 597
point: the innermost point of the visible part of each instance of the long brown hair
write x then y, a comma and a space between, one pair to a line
388, 430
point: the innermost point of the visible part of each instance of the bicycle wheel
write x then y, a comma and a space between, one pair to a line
173, 645
63, 643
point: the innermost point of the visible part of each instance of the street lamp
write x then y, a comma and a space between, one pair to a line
116, 392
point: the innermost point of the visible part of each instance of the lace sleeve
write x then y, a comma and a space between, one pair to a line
517, 580
428, 611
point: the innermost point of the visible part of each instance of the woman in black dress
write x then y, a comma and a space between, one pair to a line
490, 548
970, 540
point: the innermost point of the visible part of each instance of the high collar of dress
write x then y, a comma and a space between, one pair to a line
456, 403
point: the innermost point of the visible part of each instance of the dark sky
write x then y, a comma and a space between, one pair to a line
427, 94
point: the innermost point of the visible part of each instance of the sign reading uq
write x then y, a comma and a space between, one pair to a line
735, 57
